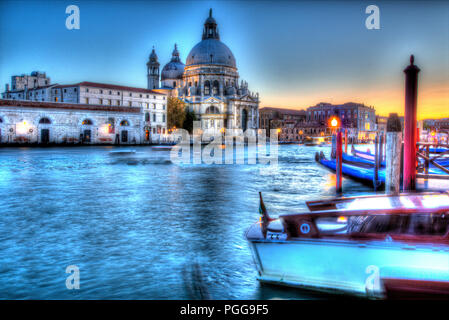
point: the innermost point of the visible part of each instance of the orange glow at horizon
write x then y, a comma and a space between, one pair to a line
433, 101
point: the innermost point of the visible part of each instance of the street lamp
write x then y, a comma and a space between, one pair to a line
334, 122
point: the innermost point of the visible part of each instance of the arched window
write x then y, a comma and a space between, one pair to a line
212, 110
1, 120
147, 116
44, 121
124, 123
87, 122
215, 88
174, 84
207, 88
244, 119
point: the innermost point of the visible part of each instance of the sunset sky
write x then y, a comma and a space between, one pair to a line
294, 53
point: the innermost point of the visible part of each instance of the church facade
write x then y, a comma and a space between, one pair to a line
209, 84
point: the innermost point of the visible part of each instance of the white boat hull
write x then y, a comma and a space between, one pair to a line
347, 266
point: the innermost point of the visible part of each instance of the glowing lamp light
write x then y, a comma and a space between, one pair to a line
342, 219
334, 122
105, 129
433, 133
278, 130
22, 128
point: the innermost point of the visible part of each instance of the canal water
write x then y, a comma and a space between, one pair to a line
139, 227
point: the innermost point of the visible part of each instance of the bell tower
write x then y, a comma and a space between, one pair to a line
153, 71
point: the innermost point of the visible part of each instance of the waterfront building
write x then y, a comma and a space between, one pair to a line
442, 125
152, 104
209, 84
381, 124
286, 121
359, 120
56, 122
296, 125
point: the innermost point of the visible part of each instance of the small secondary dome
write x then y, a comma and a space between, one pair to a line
175, 68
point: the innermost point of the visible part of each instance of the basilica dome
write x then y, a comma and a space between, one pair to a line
211, 50
175, 68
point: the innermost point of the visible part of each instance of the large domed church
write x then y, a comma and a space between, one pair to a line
208, 83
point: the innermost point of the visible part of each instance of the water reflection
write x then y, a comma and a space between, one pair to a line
139, 227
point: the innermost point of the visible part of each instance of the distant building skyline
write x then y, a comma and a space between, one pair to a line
296, 54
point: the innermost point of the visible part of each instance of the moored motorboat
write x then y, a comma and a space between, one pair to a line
373, 246
363, 172
317, 141
162, 148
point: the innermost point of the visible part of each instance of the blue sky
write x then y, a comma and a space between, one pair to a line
294, 53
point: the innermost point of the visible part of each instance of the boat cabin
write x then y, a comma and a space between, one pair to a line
420, 217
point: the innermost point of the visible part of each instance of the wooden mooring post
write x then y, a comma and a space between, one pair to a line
411, 94
378, 157
346, 140
334, 146
393, 154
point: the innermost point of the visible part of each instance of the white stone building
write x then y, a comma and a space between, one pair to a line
55, 122
208, 83
152, 104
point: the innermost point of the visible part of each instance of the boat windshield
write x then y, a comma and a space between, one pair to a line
421, 224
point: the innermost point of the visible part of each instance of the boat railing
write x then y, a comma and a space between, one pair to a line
423, 152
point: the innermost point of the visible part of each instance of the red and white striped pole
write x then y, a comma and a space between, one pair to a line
338, 162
